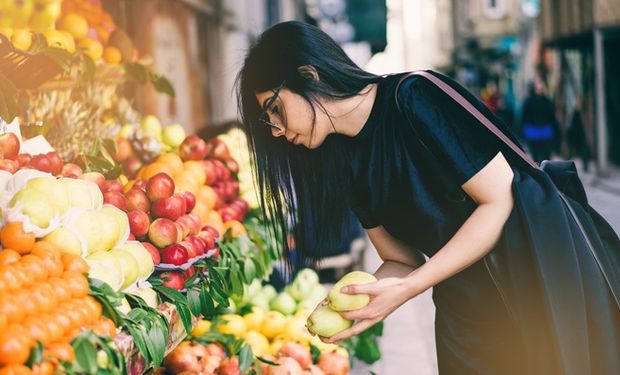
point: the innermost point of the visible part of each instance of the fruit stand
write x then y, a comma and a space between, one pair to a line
129, 247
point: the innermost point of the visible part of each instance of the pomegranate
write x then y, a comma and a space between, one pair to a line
298, 352
333, 363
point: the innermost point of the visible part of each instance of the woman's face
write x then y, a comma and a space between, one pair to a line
291, 116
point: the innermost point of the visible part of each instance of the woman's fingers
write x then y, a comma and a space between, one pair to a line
358, 328
366, 312
369, 288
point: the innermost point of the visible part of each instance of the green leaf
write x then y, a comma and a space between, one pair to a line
246, 358
249, 270
157, 344
316, 353
9, 108
367, 351
136, 72
85, 355
162, 84
194, 302
36, 354
206, 303
271, 363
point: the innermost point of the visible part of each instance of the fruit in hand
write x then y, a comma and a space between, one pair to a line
326, 322
339, 301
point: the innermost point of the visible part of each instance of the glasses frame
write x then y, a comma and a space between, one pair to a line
264, 116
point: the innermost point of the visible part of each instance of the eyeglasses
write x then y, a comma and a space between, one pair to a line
265, 118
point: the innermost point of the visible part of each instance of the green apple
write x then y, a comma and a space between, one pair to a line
102, 270
87, 225
326, 322
151, 126
269, 292
254, 288
148, 295
339, 301
307, 276
78, 193
142, 257
173, 135
284, 303
67, 241
54, 190
129, 266
35, 205
96, 194
122, 221
109, 231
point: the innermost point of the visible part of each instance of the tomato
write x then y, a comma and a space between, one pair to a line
28, 305
74, 262
61, 289
12, 236
14, 346
43, 368
78, 284
61, 317
62, 351
36, 329
15, 370
10, 308
94, 306
9, 256
35, 267
105, 327
50, 256
11, 280
54, 329
44, 297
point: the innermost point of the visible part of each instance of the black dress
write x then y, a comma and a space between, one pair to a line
396, 186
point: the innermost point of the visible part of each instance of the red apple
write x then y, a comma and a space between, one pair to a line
190, 201
216, 253
123, 150
174, 254
139, 223
228, 213
96, 178
214, 232
24, 159
9, 165
137, 200
298, 352
9, 144
140, 184
191, 250
185, 225
170, 208
131, 166
163, 232
230, 366
56, 161
115, 199
210, 171
195, 221
198, 244
232, 166
131, 237
193, 148
220, 150
41, 163
159, 187
153, 251
71, 170
173, 280
189, 272
223, 174
208, 239
216, 350
113, 185
179, 232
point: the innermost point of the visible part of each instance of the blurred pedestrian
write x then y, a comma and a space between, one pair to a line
539, 124
576, 136
515, 285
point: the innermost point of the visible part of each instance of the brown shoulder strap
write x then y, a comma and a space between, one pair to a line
472, 110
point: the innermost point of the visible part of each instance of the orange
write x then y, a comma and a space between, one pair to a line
15, 370
74, 24
61, 289
54, 329
36, 329
42, 368
94, 306
3, 322
236, 228
74, 262
78, 285
207, 195
51, 257
14, 346
184, 183
9, 278
62, 351
153, 169
172, 161
8, 256
13, 237
112, 55
105, 327
202, 211
91, 47
197, 171
34, 267
215, 220
10, 308
27, 305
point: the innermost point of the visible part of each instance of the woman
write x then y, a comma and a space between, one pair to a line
425, 179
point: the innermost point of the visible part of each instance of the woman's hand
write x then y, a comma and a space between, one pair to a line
386, 295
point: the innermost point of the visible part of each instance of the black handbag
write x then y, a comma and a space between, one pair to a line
554, 220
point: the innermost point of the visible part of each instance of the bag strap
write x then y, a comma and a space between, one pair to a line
457, 97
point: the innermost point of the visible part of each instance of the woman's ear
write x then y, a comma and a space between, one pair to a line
308, 71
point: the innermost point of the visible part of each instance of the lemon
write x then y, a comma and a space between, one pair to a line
112, 55
59, 39
296, 330
259, 343
22, 39
232, 324
74, 24
276, 345
91, 47
273, 324
201, 328
254, 320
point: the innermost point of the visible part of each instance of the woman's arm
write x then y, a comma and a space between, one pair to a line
398, 259
491, 189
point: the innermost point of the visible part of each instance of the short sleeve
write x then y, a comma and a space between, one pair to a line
363, 215
458, 140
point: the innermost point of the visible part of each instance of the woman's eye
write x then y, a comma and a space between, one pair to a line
275, 110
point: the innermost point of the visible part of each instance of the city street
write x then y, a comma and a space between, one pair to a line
408, 344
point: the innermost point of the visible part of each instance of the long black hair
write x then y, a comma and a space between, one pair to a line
311, 187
